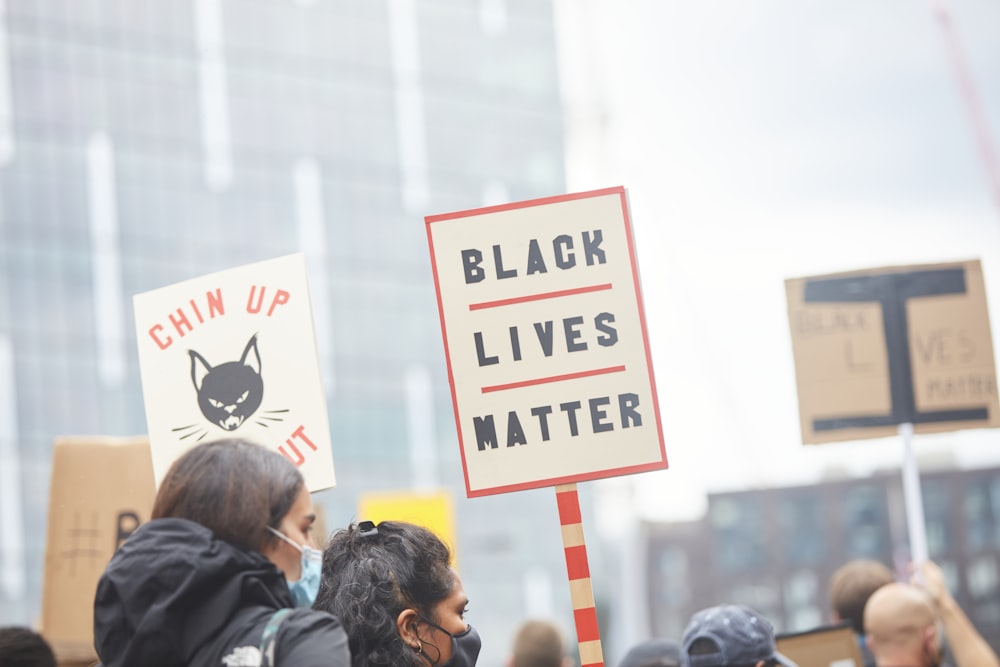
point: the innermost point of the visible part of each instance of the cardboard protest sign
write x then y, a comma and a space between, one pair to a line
233, 354
102, 490
881, 347
825, 646
545, 338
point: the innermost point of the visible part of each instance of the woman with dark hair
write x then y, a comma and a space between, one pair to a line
401, 602
212, 577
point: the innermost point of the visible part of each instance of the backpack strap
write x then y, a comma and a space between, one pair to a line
269, 637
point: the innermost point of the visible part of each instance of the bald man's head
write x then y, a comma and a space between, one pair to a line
900, 619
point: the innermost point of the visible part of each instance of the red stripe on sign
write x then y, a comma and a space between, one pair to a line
586, 624
593, 664
576, 563
569, 507
553, 378
540, 297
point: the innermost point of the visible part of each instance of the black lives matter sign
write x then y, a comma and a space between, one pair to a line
877, 348
546, 342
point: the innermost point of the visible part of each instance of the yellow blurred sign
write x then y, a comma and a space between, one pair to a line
432, 510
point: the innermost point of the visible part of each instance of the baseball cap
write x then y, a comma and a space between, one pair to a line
741, 636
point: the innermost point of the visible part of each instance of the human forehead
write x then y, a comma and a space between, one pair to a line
302, 507
456, 597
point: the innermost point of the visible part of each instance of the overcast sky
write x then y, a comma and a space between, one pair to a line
762, 140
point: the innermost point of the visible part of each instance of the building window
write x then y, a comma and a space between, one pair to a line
984, 585
937, 518
674, 577
673, 590
982, 515
866, 522
801, 609
802, 529
740, 534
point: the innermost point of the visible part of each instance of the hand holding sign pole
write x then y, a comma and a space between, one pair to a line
894, 349
548, 357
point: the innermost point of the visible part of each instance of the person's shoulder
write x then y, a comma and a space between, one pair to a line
304, 619
310, 637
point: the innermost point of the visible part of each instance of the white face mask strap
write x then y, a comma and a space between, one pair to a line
284, 537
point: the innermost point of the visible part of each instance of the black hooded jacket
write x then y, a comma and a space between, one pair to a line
175, 596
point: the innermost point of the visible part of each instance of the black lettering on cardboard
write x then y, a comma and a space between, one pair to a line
891, 291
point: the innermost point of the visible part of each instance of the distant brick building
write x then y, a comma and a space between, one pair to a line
776, 549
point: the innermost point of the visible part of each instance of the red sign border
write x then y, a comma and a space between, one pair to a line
568, 479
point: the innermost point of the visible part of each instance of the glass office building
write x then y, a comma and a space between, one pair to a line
143, 143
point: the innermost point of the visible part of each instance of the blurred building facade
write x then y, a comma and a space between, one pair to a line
776, 549
143, 143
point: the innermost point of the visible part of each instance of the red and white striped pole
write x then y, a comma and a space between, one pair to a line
588, 634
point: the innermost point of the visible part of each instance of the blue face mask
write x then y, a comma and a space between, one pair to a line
305, 589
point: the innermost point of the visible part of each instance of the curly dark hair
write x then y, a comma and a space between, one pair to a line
371, 576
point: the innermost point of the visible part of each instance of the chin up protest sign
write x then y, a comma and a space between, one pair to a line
233, 354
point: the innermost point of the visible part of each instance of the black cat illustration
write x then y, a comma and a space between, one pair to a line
229, 393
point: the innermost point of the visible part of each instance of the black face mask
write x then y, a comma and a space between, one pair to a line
465, 647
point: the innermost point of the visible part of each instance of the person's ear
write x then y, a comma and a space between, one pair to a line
930, 639
406, 626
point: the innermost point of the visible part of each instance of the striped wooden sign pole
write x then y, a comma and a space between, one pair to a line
581, 592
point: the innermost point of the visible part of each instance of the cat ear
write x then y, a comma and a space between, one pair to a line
248, 360
199, 369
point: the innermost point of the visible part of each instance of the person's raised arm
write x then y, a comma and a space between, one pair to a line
966, 645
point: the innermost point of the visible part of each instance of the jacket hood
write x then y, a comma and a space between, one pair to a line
171, 588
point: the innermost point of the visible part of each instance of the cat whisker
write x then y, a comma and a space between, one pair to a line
272, 419
260, 423
273, 411
184, 428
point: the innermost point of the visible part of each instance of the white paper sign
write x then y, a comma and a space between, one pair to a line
233, 355
546, 343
